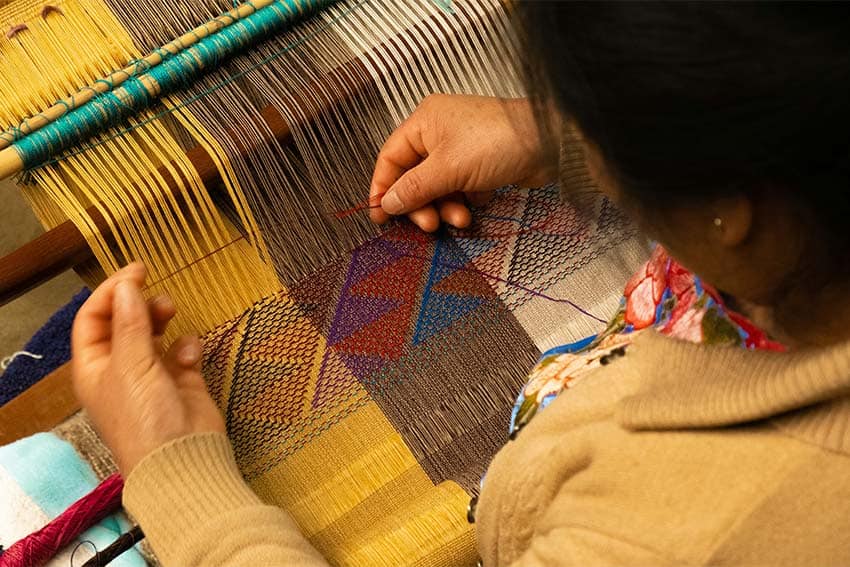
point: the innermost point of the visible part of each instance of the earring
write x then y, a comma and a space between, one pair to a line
718, 223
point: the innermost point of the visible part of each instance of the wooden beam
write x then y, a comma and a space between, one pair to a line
41, 407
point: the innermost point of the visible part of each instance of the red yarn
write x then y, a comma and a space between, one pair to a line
40, 547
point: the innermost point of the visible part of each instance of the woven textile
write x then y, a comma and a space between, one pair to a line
40, 476
367, 377
369, 398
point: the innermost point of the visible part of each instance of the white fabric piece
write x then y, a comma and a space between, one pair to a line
20, 516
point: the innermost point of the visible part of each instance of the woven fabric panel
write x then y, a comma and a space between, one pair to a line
369, 398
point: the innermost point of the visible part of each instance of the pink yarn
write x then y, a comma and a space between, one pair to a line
42, 546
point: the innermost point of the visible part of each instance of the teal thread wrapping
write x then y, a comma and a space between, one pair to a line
176, 72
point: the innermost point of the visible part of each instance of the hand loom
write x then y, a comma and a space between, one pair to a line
366, 373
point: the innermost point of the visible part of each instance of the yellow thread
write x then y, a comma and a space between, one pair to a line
192, 251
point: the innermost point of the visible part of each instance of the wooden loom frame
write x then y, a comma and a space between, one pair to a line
51, 401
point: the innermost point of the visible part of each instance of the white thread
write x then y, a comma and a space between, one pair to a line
4, 364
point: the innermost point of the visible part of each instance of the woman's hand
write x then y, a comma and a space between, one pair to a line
453, 146
138, 397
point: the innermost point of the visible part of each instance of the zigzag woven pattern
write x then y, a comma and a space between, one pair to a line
380, 387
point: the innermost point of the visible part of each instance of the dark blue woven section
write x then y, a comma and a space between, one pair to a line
52, 341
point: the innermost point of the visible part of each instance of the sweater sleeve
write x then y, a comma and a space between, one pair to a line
195, 509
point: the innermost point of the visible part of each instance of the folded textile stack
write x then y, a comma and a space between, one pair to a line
40, 477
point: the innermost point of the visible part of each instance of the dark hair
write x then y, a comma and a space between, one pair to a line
696, 100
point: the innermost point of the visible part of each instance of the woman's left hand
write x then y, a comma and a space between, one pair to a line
137, 396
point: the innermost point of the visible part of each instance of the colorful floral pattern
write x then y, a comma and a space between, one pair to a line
662, 295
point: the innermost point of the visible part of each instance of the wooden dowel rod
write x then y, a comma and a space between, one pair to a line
41, 407
117, 78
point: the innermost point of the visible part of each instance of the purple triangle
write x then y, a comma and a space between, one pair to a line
354, 312
373, 257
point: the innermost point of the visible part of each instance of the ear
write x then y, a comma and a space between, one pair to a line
733, 220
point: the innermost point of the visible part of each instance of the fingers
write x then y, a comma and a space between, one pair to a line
431, 179
133, 346
426, 218
93, 323
454, 211
183, 361
184, 354
162, 311
402, 151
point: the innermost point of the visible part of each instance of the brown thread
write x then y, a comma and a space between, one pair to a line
15, 30
50, 9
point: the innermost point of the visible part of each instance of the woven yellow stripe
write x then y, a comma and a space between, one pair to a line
360, 496
338, 470
430, 531
348, 531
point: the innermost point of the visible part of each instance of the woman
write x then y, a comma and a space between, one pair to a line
723, 131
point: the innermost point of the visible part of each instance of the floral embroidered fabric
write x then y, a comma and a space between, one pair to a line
662, 295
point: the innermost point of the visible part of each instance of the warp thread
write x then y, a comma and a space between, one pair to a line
368, 204
124, 543
511, 283
41, 546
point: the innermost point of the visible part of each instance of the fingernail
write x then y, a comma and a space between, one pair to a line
392, 204
125, 295
133, 267
190, 354
163, 301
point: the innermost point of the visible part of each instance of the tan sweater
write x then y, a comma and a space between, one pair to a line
673, 454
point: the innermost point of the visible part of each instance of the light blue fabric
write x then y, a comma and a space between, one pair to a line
54, 476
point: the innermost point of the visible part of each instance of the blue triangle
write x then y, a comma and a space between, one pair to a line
475, 247
448, 258
441, 311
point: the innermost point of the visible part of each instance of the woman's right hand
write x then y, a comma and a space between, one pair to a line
456, 146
